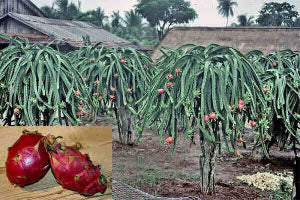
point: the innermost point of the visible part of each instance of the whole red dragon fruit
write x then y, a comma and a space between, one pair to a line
74, 170
27, 160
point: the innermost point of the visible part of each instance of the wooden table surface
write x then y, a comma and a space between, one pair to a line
96, 141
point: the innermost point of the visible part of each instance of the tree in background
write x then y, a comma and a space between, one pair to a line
297, 22
131, 28
162, 14
277, 14
225, 8
134, 25
244, 21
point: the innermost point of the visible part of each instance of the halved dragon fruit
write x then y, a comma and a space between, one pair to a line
27, 160
74, 170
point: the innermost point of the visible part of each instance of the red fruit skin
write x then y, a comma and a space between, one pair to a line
274, 64
128, 90
95, 94
116, 76
169, 85
84, 113
100, 98
265, 90
74, 170
206, 118
178, 71
122, 61
85, 79
241, 102
253, 124
111, 97
240, 107
212, 115
27, 160
77, 93
112, 89
170, 140
153, 63
16, 111
96, 83
160, 91
237, 139
80, 102
78, 114
169, 77
92, 60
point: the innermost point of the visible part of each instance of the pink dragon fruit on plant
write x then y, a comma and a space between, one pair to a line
73, 170
27, 160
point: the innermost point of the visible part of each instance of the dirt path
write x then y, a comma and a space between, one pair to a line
151, 167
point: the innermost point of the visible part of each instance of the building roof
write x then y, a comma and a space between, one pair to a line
245, 39
71, 32
33, 7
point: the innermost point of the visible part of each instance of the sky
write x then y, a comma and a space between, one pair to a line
206, 9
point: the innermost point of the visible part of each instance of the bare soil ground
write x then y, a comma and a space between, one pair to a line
152, 167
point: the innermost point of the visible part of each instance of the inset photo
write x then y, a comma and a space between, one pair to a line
56, 162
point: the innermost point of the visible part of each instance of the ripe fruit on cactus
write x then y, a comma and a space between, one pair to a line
112, 89
84, 112
170, 77
16, 111
169, 85
241, 102
111, 97
74, 170
116, 76
253, 124
27, 160
240, 107
100, 98
160, 91
170, 140
80, 102
153, 63
178, 71
128, 90
212, 115
92, 60
206, 118
265, 90
77, 93
122, 61
96, 83
96, 94
78, 114
274, 64
85, 79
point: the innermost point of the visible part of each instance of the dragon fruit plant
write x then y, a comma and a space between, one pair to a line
73, 170
27, 160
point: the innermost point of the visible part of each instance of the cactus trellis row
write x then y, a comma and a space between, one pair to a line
115, 79
205, 80
281, 81
38, 85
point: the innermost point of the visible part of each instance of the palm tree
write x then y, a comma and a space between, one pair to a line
244, 21
225, 8
116, 19
134, 25
95, 17
62, 6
